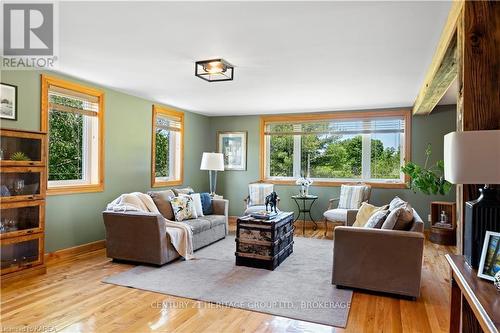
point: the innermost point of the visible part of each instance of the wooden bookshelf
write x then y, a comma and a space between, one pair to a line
23, 168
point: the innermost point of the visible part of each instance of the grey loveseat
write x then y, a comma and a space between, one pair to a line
378, 259
142, 237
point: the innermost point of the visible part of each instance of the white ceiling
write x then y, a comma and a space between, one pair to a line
289, 56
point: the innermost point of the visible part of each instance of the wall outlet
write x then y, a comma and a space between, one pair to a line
429, 218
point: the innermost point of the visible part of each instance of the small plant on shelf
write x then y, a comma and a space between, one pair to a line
428, 180
19, 156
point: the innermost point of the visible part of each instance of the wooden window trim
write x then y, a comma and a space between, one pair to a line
161, 110
44, 124
405, 113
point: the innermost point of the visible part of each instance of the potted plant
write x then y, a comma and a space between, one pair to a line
428, 180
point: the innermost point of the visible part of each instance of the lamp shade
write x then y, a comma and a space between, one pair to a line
212, 161
472, 157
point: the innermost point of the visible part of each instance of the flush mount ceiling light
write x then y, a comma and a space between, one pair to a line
214, 70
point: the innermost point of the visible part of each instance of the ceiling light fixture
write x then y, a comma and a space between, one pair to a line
214, 70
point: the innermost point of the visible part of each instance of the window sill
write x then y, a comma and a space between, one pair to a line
337, 183
166, 183
75, 189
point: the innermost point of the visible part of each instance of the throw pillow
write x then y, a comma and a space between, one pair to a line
197, 204
365, 212
162, 201
398, 220
206, 203
396, 203
406, 215
185, 190
377, 219
183, 208
351, 196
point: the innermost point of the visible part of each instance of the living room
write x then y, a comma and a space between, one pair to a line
327, 182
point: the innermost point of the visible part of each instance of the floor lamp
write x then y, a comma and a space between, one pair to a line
212, 162
473, 157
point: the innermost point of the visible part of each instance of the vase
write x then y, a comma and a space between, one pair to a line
306, 191
302, 190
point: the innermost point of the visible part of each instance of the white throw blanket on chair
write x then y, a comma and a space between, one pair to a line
181, 235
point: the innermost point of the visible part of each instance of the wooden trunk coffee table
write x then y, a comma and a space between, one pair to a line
264, 243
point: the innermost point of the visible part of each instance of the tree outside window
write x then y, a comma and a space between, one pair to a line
364, 149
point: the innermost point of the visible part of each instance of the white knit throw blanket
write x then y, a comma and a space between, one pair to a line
181, 235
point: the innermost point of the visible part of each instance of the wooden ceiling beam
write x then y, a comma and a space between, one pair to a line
443, 69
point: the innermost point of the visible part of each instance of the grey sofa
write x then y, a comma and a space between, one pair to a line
142, 237
379, 260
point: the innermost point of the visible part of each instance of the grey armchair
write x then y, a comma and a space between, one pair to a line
380, 260
342, 215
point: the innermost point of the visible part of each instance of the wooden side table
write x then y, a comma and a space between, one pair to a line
444, 234
475, 303
305, 209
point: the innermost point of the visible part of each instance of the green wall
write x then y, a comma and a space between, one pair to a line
425, 129
76, 219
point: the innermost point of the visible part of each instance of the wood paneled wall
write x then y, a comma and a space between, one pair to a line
478, 104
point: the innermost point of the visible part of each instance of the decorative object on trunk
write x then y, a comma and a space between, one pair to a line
428, 180
263, 215
272, 200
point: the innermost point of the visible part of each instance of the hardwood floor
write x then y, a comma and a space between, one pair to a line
71, 298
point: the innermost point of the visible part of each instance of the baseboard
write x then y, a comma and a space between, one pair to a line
70, 252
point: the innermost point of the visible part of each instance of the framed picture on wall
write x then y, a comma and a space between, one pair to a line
233, 145
489, 264
8, 99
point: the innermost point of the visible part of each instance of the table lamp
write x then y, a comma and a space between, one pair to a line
212, 162
473, 157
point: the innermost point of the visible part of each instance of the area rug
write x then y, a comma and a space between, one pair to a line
300, 288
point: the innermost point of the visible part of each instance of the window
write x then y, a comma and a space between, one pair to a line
336, 148
72, 115
167, 147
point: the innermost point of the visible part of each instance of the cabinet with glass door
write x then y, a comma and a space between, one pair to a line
23, 183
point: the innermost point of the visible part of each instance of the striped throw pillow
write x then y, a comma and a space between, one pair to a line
258, 193
351, 196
